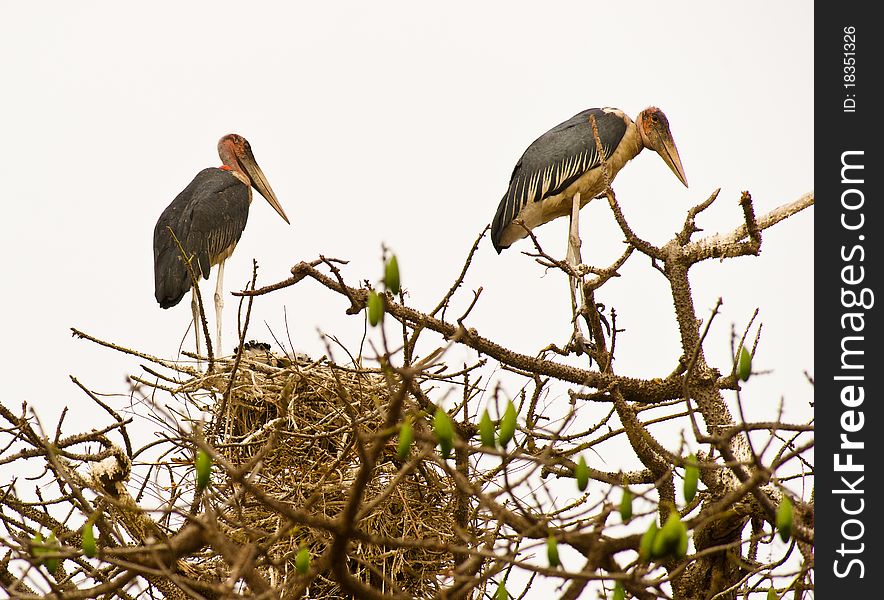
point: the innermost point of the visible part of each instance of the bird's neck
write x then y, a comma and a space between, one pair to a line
632, 141
236, 173
230, 162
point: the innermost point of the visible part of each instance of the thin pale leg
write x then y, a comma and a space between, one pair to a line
573, 257
575, 284
219, 306
195, 307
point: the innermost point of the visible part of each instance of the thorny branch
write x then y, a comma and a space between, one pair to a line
306, 457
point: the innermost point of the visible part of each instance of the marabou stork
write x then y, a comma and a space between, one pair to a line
564, 162
207, 218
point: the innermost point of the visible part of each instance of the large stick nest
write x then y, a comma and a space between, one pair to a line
299, 422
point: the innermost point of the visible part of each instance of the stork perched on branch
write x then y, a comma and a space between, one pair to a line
207, 219
564, 162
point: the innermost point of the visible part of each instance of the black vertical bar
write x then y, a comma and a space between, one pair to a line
849, 453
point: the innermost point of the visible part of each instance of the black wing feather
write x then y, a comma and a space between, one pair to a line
206, 217
554, 161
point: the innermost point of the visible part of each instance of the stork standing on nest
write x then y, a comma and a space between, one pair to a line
564, 162
207, 218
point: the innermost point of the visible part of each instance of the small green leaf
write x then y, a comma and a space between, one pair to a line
619, 592
744, 364
203, 469
667, 540
581, 474
302, 560
784, 518
501, 593
691, 477
90, 548
552, 551
391, 275
626, 505
375, 308
507, 427
681, 549
772, 594
645, 546
406, 435
444, 430
659, 548
51, 564
51, 546
37, 547
486, 430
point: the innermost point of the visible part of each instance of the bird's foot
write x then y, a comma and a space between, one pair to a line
578, 344
584, 311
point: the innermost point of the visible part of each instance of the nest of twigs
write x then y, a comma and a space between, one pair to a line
297, 421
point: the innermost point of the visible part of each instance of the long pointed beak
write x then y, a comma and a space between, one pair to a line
669, 153
259, 182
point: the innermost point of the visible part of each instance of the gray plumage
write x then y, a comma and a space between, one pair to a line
208, 218
554, 161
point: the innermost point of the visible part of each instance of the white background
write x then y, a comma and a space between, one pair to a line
396, 123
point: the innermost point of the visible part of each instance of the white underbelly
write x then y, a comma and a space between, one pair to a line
223, 255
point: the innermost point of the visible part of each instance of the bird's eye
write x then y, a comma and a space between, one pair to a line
655, 118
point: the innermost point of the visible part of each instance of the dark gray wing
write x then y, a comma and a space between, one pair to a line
554, 161
206, 217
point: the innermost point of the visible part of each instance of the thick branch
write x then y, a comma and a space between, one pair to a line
727, 245
633, 389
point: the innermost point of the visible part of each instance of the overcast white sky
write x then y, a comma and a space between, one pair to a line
394, 122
